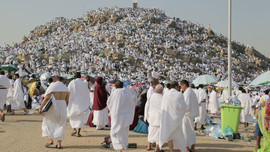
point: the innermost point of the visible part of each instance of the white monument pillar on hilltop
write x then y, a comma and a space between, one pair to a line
135, 4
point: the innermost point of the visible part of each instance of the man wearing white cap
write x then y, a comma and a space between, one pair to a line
154, 117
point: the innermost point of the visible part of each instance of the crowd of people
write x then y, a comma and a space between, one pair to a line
142, 46
125, 44
172, 111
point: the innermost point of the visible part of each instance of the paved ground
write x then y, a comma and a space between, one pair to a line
20, 133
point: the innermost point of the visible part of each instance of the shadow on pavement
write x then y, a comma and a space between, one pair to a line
217, 150
105, 135
222, 145
96, 135
82, 147
138, 135
28, 120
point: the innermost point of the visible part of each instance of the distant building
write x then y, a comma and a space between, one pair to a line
135, 4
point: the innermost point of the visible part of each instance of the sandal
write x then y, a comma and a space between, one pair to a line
25, 113
3, 117
56, 146
73, 133
79, 135
148, 149
159, 150
47, 145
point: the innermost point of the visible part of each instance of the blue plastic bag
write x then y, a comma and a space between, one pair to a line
251, 120
142, 127
227, 131
236, 102
208, 121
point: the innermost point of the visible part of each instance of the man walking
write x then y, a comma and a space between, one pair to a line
121, 104
79, 101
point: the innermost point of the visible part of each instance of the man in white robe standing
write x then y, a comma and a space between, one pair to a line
11, 104
246, 103
192, 86
213, 101
225, 96
5, 85
79, 101
121, 104
167, 88
18, 95
173, 109
192, 111
202, 97
150, 91
154, 114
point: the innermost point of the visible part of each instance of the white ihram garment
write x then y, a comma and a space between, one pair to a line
192, 111
10, 93
150, 91
10, 99
121, 104
213, 102
92, 87
18, 94
79, 101
173, 109
54, 121
225, 96
154, 115
201, 95
165, 90
4, 81
100, 118
246, 103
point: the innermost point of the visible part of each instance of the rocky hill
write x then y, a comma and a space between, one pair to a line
135, 42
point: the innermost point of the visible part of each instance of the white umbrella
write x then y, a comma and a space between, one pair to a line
45, 76
261, 79
205, 80
224, 84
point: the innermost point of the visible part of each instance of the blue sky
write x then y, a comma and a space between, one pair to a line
251, 23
